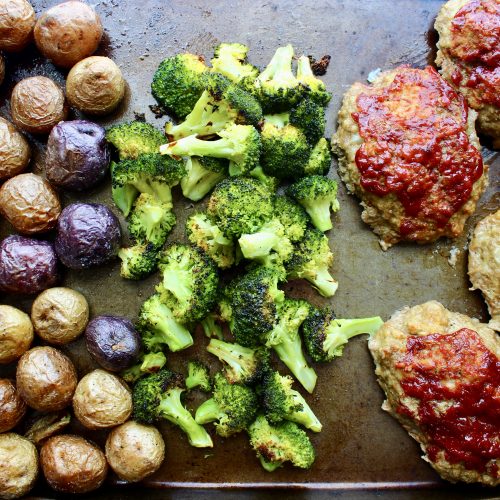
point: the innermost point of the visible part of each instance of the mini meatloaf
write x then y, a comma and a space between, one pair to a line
469, 57
484, 264
408, 148
441, 375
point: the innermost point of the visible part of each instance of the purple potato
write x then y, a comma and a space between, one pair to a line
77, 155
27, 265
113, 342
88, 234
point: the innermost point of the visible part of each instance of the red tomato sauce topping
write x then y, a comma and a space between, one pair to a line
456, 371
416, 146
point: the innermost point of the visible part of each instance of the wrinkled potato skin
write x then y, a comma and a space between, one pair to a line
15, 151
17, 19
102, 400
16, 333
95, 85
29, 203
12, 407
71, 464
18, 465
135, 451
46, 379
68, 32
37, 104
60, 315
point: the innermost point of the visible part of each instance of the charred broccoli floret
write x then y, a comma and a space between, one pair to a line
159, 396
281, 402
317, 194
325, 336
159, 327
232, 407
320, 159
138, 261
293, 217
240, 205
309, 117
202, 174
205, 234
178, 83
150, 362
151, 220
134, 139
230, 59
316, 89
198, 376
189, 282
277, 444
242, 364
311, 260
238, 143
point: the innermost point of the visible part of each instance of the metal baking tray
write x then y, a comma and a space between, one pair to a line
362, 451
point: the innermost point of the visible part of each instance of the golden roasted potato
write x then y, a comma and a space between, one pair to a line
16, 333
17, 19
12, 407
15, 151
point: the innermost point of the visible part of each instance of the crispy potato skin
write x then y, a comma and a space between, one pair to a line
17, 19
12, 407
16, 333
15, 152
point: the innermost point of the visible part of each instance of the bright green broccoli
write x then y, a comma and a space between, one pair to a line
202, 174
320, 159
211, 326
293, 217
317, 194
159, 396
134, 138
198, 376
281, 402
284, 338
238, 143
316, 89
151, 220
325, 336
311, 260
189, 282
178, 83
242, 364
205, 234
138, 261
276, 87
150, 362
240, 205
309, 117
232, 407
159, 327
230, 59
277, 444
269, 182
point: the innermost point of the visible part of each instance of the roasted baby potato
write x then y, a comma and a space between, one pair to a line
16, 333
17, 19
15, 151
12, 407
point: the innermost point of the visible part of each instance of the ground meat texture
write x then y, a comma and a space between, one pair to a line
469, 56
441, 375
407, 147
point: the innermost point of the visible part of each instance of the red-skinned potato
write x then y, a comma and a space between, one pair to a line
17, 19
15, 151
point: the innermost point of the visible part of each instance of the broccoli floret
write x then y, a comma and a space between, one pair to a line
276, 87
309, 117
189, 282
281, 402
158, 327
230, 59
317, 194
150, 173
293, 217
240, 205
211, 327
149, 363
134, 138
277, 444
202, 175
138, 261
325, 336
238, 143
253, 298
159, 396
311, 260
242, 364
316, 89
178, 83
198, 376
205, 234
151, 220
269, 182
232, 407
285, 150
284, 338
320, 159
221, 104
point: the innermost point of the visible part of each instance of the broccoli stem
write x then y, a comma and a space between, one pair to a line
305, 416
151, 218
199, 181
211, 328
304, 68
258, 245
280, 67
269, 466
124, 197
176, 336
159, 190
174, 280
192, 146
323, 281
319, 211
207, 412
172, 409
232, 354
